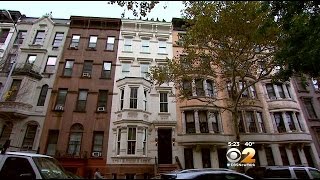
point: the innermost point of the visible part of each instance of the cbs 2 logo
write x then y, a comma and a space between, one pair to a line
234, 155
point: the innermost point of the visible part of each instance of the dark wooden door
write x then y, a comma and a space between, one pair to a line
164, 146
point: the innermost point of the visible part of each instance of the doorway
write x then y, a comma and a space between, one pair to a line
164, 146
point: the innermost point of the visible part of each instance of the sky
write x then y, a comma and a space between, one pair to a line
64, 9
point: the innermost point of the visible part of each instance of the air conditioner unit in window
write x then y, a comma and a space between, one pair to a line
73, 46
86, 75
96, 154
58, 108
100, 109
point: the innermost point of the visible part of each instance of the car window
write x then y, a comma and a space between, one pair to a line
17, 168
315, 174
277, 173
301, 173
234, 176
210, 177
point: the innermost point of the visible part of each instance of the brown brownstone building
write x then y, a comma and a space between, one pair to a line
77, 122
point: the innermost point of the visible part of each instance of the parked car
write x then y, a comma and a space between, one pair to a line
21, 165
205, 174
284, 172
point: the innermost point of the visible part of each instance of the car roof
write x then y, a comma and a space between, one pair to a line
27, 154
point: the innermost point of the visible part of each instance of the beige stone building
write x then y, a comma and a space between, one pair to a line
274, 124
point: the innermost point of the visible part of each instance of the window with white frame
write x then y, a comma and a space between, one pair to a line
51, 63
144, 70
210, 89
133, 98
190, 122
127, 44
251, 124
145, 100
213, 117
97, 144
58, 39
145, 45
279, 122
203, 121
75, 139
131, 140
163, 102
125, 69
270, 91
290, 122
38, 40
162, 47
75, 41
260, 122
144, 142
281, 91
199, 87
93, 42
110, 43
121, 98
106, 70
118, 141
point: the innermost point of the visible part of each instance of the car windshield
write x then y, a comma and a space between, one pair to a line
49, 168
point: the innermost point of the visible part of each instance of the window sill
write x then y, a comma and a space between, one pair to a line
77, 111
82, 77
108, 50
162, 53
127, 51
35, 45
145, 53
164, 113
91, 49
72, 48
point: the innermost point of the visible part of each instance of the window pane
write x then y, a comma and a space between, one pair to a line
106, 66
93, 39
87, 67
110, 40
69, 64
52, 61
83, 95
31, 59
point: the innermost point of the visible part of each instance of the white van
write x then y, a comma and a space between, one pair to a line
20, 165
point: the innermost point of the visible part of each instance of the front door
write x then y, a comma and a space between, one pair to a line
164, 146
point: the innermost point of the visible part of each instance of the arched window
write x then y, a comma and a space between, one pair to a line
29, 136
43, 95
75, 138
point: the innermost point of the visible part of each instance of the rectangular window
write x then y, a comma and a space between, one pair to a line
210, 89
241, 125
93, 42
51, 63
128, 44
13, 92
162, 47
28, 140
163, 102
75, 41
260, 121
58, 39
270, 91
279, 122
288, 90
269, 156
52, 142
187, 88
133, 98
284, 156
110, 43
315, 83
31, 59
144, 142
106, 72
97, 144
199, 87
103, 98
190, 123
82, 100
242, 85
144, 70
215, 121
3, 35
145, 100
251, 122
309, 107
280, 90
43, 95
118, 141
203, 121
290, 121
125, 69
131, 141
253, 91
74, 143
38, 40
144, 45
121, 98
68, 68
61, 98
295, 155
21, 36
87, 68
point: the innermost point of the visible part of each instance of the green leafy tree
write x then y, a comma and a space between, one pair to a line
138, 8
230, 42
299, 47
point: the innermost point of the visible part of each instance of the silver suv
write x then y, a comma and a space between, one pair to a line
205, 174
284, 172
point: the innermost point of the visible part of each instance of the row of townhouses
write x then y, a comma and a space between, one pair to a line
77, 89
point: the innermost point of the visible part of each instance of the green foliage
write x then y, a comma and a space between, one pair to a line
138, 8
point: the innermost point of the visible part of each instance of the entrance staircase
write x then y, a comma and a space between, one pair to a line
165, 168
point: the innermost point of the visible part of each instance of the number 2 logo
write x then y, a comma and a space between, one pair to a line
234, 155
